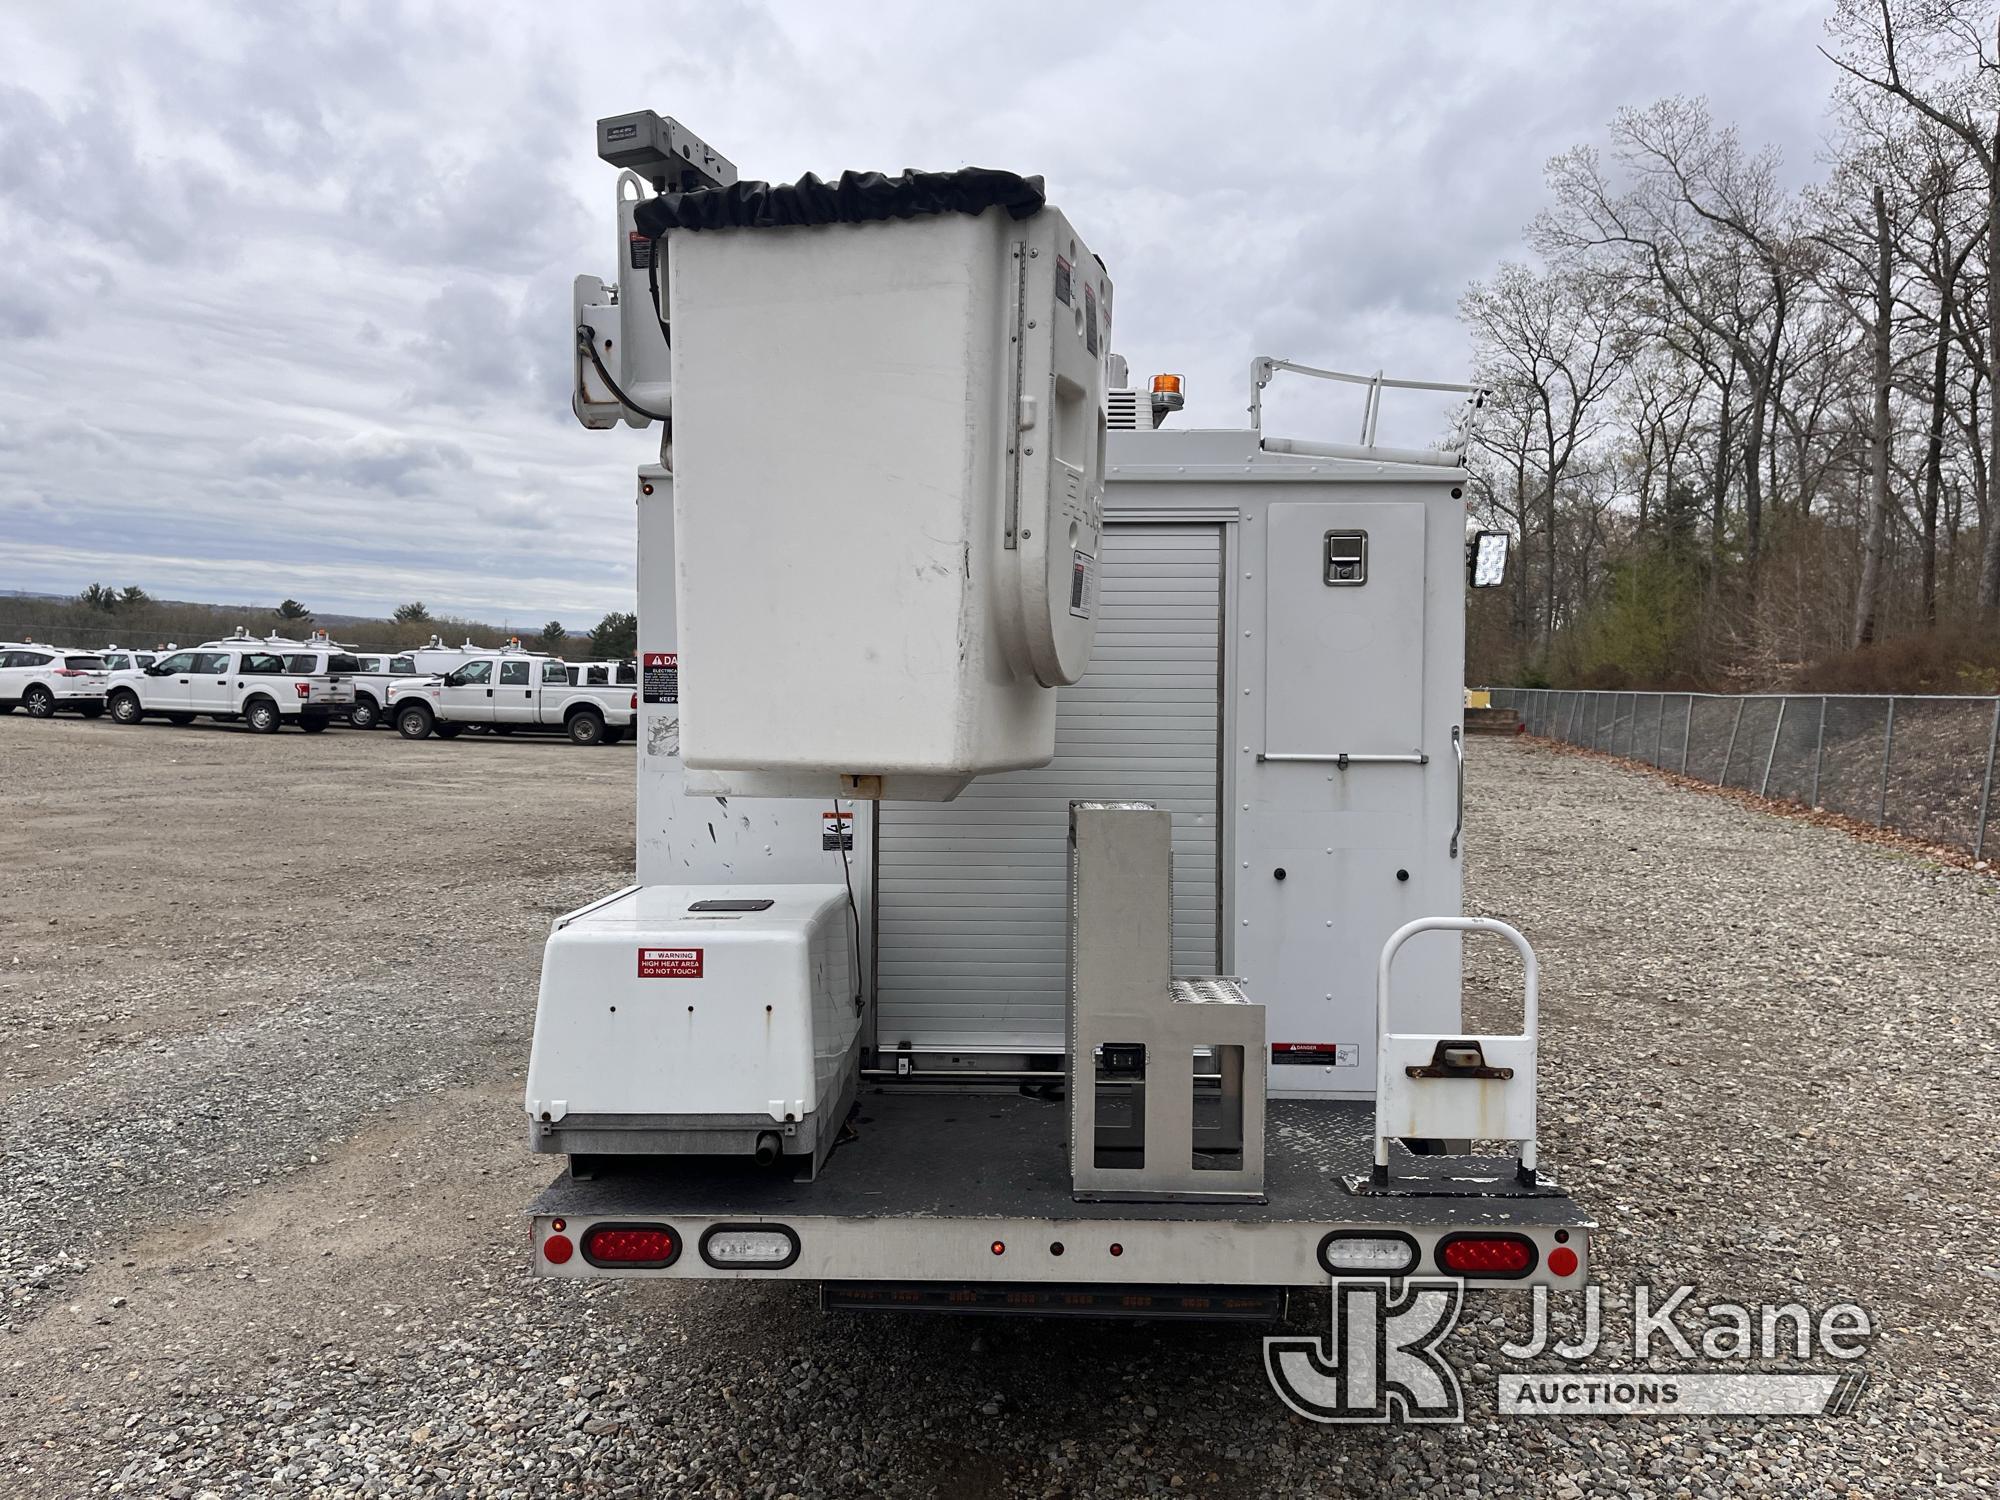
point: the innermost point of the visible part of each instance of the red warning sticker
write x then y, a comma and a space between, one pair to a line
670, 963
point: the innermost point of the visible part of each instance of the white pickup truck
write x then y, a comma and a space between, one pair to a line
377, 673
510, 691
251, 683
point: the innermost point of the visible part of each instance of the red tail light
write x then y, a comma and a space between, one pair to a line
557, 1248
304, 689
635, 703
640, 1246
68, 672
1502, 1255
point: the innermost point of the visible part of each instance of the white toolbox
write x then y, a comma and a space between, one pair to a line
698, 1020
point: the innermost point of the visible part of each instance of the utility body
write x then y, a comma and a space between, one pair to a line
1132, 756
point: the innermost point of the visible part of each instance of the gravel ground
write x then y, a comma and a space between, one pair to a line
264, 1004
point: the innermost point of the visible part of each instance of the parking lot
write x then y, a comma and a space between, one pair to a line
265, 1004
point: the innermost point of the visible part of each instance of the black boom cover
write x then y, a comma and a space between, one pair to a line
858, 198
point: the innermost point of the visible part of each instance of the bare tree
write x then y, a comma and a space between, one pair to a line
1933, 56
1881, 332
1708, 231
1737, 427
1550, 343
1503, 495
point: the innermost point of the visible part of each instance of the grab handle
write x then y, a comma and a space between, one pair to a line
1458, 749
1529, 973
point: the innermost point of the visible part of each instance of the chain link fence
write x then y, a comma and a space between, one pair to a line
71, 637
1920, 765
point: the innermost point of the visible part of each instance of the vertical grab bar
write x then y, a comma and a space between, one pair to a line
1458, 750
1531, 1017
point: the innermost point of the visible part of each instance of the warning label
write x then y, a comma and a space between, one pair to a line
661, 680
1062, 279
670, 963
1320, 1054
1089, 319
836, 831
1082, 585
642, 250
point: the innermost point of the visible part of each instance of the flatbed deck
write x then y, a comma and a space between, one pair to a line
975, 1188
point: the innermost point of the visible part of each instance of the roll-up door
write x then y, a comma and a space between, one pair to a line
970, 893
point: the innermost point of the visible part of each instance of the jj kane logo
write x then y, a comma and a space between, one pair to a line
1383, 1358
1380, 1362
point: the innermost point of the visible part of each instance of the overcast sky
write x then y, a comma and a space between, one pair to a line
284, 289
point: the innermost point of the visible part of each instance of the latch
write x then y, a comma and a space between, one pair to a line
1346, 558
1459, 1059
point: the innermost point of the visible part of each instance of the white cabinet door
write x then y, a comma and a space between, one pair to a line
1345, 594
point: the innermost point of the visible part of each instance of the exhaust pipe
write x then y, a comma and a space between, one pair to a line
769, 1148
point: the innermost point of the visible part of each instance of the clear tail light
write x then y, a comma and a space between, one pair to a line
768, 1245
1364, 1254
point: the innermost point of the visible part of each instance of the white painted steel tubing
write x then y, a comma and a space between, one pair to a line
1530, 1003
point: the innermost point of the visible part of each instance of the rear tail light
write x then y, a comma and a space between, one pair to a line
1381, 1254
636, 1246
771, 1246
635, 703
1506, 1256
557, 1249
304, 689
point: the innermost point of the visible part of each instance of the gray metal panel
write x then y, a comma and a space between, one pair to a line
971, 923
958, 1154
1364, 642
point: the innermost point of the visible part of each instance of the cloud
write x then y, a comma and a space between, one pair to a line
366, 460
517, 512
287, 286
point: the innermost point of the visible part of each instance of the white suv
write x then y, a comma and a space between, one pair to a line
43, 679
252, 683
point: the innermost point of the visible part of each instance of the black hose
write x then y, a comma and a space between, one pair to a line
586, 339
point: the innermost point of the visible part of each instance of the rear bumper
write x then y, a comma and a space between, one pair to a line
954, 1188
1100, 1250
